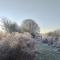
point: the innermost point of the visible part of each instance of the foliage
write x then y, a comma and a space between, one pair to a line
45, 41
30, 26
17, 46
10, 26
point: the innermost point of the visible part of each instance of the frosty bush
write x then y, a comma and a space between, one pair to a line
16, 46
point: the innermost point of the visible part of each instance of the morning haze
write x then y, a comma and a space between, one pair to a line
45, 12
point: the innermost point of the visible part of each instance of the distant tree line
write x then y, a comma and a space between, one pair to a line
28, 25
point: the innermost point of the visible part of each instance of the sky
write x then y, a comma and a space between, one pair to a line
46, 13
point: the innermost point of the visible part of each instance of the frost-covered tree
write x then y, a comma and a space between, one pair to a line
10, 26
30, 26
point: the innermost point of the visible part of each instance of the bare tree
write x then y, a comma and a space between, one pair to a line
10, 26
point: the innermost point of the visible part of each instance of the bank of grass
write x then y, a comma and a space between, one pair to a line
46, 52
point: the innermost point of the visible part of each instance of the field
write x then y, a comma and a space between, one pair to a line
46, 52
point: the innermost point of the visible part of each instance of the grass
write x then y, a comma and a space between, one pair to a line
46, 52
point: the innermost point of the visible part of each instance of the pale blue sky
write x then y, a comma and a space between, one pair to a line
45, 12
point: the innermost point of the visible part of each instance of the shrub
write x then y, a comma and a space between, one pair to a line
45, 41
17, 46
